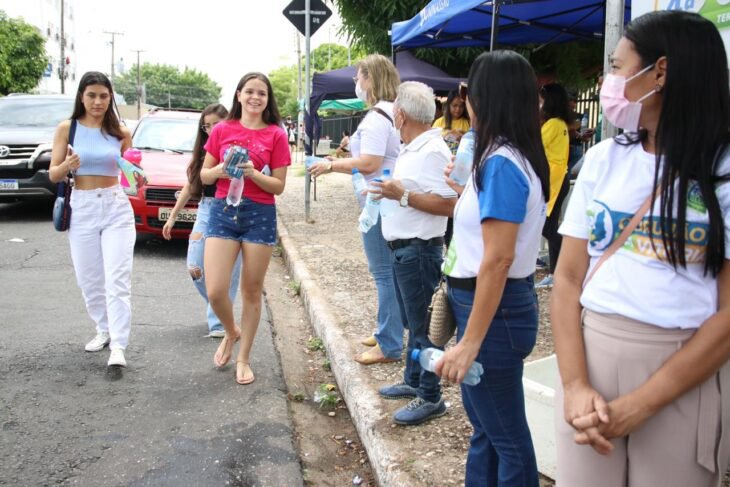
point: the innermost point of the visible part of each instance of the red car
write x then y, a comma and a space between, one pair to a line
165, 138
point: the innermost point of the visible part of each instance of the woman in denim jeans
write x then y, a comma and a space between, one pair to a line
490, 266
212, 114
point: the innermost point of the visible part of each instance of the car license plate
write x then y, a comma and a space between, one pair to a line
8, 184
184, 215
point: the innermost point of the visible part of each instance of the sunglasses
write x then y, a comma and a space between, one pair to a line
463, 90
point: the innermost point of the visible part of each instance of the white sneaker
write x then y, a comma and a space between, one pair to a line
116, 358
98, 343
217, 334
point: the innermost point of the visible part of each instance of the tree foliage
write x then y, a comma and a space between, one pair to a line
324, 58
22, 55
167, 86
368, 23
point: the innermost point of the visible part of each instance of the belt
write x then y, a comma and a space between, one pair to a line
400, 243
470, 283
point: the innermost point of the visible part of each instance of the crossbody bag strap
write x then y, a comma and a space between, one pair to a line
71, 138
625, 233
382, 112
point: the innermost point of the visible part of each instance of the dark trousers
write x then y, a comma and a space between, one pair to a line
416, 272
550, 229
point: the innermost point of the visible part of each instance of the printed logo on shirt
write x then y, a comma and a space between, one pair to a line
606, 225
694, 199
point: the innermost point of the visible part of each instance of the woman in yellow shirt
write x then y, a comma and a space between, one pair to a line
556, 117
455, 121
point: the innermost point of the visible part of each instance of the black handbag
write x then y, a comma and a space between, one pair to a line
62, 206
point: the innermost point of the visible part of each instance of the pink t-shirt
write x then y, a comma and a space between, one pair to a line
267, 147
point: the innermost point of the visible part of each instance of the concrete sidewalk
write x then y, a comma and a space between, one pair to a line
327, 259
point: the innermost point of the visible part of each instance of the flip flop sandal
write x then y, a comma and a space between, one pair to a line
226, 348
245, 379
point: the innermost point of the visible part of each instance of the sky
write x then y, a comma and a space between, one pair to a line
222, 38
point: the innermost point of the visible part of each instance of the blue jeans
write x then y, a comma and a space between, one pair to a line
390, 327
501, 451
416, 272
196, 250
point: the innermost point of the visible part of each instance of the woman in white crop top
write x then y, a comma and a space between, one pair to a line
101, 233
642, 336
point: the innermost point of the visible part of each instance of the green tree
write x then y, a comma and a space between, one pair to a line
284, 81
22, 55
331, 56
167, 86
368, 23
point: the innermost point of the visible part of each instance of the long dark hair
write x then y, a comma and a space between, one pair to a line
196, 163
271, 112
692, 133
555, 103
503, 96
110, 124
447, 109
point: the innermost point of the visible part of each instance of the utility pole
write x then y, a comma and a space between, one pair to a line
139, 87
307, 36
113, 34
614, 29
62, 64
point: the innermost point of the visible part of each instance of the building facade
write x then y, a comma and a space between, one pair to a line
45, 15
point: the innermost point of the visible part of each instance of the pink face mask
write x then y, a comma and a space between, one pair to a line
619, 111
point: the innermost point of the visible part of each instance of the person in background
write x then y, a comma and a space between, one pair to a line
439, 108
209, 118
343, 150
556, 119
375, 146
101, 234
642, 327
292, 136
250, 227
415, 234
490, 266
455, 121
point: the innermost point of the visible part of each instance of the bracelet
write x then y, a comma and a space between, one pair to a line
329, 166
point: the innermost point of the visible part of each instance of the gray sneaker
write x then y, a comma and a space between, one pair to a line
98, 343
418, 410
397, 391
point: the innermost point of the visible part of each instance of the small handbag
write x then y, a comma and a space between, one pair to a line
440, 318
62, 205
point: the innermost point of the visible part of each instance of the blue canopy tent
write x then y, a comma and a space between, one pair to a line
338, 84
472, 23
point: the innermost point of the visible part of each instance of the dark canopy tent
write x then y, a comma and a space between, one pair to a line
338, 84
469, 23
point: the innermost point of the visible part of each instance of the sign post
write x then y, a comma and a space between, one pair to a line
307, 16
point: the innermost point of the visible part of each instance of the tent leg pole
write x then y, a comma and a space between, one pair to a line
614, 15
495, 24
307, 179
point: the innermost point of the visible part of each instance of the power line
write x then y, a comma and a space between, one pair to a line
113, 34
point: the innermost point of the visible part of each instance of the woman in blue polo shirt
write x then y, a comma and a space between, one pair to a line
490, 267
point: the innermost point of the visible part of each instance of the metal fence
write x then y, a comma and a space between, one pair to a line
332, 127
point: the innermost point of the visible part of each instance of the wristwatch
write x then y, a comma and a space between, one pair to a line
404, 199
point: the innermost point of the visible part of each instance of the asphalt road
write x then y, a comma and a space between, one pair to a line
170, 418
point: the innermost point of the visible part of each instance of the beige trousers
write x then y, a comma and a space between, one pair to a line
684, 445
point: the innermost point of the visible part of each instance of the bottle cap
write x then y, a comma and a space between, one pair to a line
415, 354
386, 172
354, 170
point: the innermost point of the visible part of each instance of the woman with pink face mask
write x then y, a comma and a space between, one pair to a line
641, 302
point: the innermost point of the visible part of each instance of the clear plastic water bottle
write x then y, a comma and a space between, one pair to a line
464, 159
370, 213
429, 356
359, 185
235, 190
387, 207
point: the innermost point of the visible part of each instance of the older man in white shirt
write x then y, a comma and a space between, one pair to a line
415, 233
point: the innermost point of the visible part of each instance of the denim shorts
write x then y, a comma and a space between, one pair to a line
249, 222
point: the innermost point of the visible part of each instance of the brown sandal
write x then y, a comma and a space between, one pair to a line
225, 350
245, 379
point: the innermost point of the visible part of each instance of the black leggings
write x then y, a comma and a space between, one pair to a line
550, 230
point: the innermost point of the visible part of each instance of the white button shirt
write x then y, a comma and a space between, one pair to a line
420, 167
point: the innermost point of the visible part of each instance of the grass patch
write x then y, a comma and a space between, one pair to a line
327, 365
295, 286
326, 396
315, 344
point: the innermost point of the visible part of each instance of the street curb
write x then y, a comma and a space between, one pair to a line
362, 401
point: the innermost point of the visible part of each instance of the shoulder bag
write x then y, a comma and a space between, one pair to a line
62, 206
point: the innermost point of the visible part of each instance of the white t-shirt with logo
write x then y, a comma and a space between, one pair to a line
420, 167
511, 191
376, 136
634, 282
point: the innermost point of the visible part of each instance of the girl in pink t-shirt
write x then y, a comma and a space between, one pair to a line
249, 227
